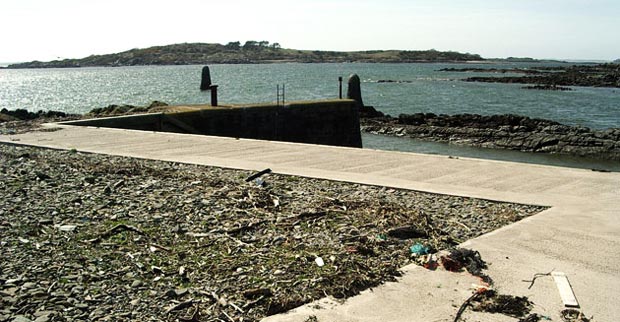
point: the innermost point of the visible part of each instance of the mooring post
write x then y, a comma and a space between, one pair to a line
354, 91
205, 83
213, 89
340, 87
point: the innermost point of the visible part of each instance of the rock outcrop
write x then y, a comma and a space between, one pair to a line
125, 109
602, 75
503, 132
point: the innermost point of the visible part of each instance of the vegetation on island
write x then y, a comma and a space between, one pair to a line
251, 52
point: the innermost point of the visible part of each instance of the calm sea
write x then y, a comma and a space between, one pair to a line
424, 89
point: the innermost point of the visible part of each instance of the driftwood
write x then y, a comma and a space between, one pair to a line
407, 232
115, 230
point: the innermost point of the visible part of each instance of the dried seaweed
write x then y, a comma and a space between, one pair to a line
573, 315
491, 302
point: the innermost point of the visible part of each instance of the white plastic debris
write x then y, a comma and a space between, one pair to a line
67, 228
319, 261
566, 291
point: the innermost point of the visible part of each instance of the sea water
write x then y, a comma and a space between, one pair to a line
418, 88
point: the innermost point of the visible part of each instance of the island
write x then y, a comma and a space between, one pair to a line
252, 52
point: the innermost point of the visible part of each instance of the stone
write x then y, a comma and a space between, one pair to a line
205, 82
354, 91
43, 313
505, 131
136, 283
67, 228
45, 221
42, 318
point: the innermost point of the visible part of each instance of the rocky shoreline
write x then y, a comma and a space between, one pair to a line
507, 131
601, 75
89, 237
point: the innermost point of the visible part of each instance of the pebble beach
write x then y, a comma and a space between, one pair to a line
103, 238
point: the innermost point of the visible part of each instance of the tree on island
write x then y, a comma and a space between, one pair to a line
256, 45
233, 45
250, 45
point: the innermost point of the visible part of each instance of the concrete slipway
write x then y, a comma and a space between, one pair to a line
579, 235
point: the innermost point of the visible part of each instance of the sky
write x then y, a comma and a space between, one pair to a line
561, 29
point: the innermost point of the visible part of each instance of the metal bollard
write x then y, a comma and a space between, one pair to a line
213, 89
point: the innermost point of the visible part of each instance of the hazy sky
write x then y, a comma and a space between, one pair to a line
565, 29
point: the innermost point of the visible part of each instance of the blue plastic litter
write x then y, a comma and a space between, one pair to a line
419, 249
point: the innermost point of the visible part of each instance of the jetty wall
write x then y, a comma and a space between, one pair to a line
326, 122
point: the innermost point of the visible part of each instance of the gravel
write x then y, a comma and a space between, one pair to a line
101, 238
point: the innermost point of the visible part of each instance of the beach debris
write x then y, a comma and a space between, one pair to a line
259, 182
459, 258
537, 275
311, 318
180, 306
257, 293
194, 316
534, 317
419, 249
407, 232
117, 229
566, 291
258, 175
466, 304
67, 228
573, 315
319, 261
491, 302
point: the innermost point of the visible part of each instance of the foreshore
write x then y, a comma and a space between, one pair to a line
89, 236
551, 78
511, 132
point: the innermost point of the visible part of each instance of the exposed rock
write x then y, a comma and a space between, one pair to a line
23, 114
115, 110
602, 75
501, 131
547, 87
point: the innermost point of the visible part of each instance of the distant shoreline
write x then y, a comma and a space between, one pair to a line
551, 78
272, 62
249, 53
